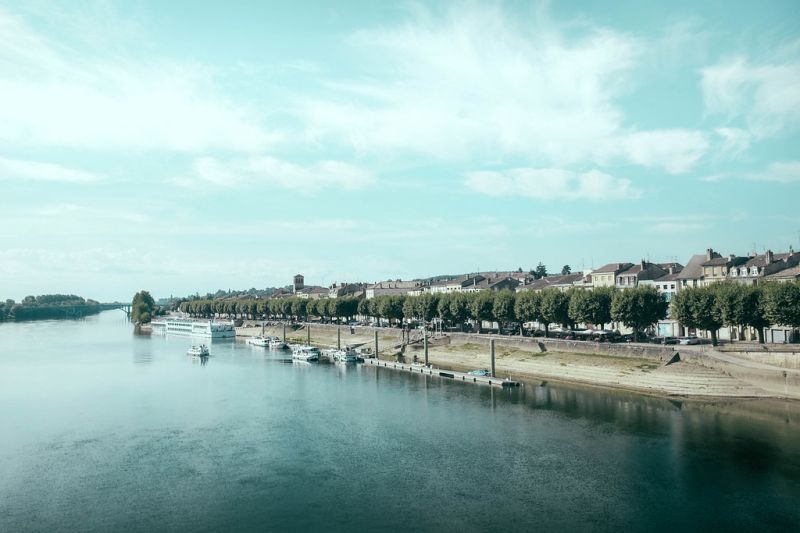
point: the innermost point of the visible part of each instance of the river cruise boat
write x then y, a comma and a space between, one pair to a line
194, 328
198, 351
263, 342
302, 352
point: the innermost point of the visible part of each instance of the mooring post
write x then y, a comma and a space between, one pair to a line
491, 349
425, 344
308, 333
376, 345
284, 332
339, 337
262, 328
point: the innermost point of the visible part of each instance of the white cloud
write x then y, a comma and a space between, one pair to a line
782, 172
477, 84
767, 95
266, 169
15, 169
675, 150
551, 183
734, 141
63, 98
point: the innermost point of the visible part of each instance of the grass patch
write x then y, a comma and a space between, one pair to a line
647, 367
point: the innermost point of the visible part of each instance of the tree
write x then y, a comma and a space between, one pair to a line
443, 307
459, 307
391, 307
696, 307
639, 308
482, 307
503, 307
566, 269
554, 308
591, 307
541, 271
363, 307
410, 308
299, 307
527, 306
426, 306
781, 303
142, 307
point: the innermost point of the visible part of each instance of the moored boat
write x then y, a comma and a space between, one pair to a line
275, 343
198, 351
194, 328
260, 341
347, 355
302, 352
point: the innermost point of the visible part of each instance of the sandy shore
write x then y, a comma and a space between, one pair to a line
684, 379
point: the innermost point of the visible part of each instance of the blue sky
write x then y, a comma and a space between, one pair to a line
182, 147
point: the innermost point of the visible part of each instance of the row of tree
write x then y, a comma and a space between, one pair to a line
739, 306
48, 306
707, 308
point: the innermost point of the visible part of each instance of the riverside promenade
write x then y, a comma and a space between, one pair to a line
701, 372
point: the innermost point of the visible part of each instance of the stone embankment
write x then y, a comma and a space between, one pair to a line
701, 372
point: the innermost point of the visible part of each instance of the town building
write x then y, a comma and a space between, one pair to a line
392, 288
606, 276
766, 264
716, 269
342, 290
640, 272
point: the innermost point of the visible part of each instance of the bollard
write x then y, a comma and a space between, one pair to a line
491, 349
339, 337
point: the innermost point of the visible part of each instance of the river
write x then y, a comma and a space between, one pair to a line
104, 430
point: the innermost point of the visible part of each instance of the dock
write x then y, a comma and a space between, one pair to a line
451, 374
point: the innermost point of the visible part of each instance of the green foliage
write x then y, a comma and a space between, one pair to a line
459, 304
481, 307
566, 269
142, 307
638, 308
503, 307
541, 271
781, 303
591, 307
48, 306
527, 306
696, 307
554, 308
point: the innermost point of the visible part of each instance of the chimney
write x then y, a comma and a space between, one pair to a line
769, 257
671, 270
709, 254
731, 257
644, 264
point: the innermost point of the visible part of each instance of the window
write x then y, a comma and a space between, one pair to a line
754, 271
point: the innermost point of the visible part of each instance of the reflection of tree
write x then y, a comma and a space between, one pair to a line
204, 360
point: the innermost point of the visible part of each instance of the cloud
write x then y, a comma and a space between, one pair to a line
676, 150
766, 95
15, 169
551, 183
781, 172
266, 169
475, 83
733, 141
63, 98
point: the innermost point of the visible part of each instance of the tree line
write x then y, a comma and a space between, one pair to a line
707, 308
48, 306
737, 305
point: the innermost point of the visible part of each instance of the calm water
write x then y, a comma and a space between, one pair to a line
101, 430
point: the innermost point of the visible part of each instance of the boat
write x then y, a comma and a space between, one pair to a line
276, 343
263, 342
194, 328
198, 351
303, 352
348, 355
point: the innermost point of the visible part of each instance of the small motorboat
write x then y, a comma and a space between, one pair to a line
263, 342
198, 351
275, 343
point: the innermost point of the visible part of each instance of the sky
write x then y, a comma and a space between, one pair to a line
186, 146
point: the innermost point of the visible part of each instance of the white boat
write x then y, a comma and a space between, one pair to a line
198, 351
194, 328
348, 355
302, 352
276, 343
263, 342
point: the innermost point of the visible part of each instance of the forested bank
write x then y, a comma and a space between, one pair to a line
49, 306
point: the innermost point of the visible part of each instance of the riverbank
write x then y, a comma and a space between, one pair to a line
638, 368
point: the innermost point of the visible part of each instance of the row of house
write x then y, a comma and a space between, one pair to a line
667, 278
